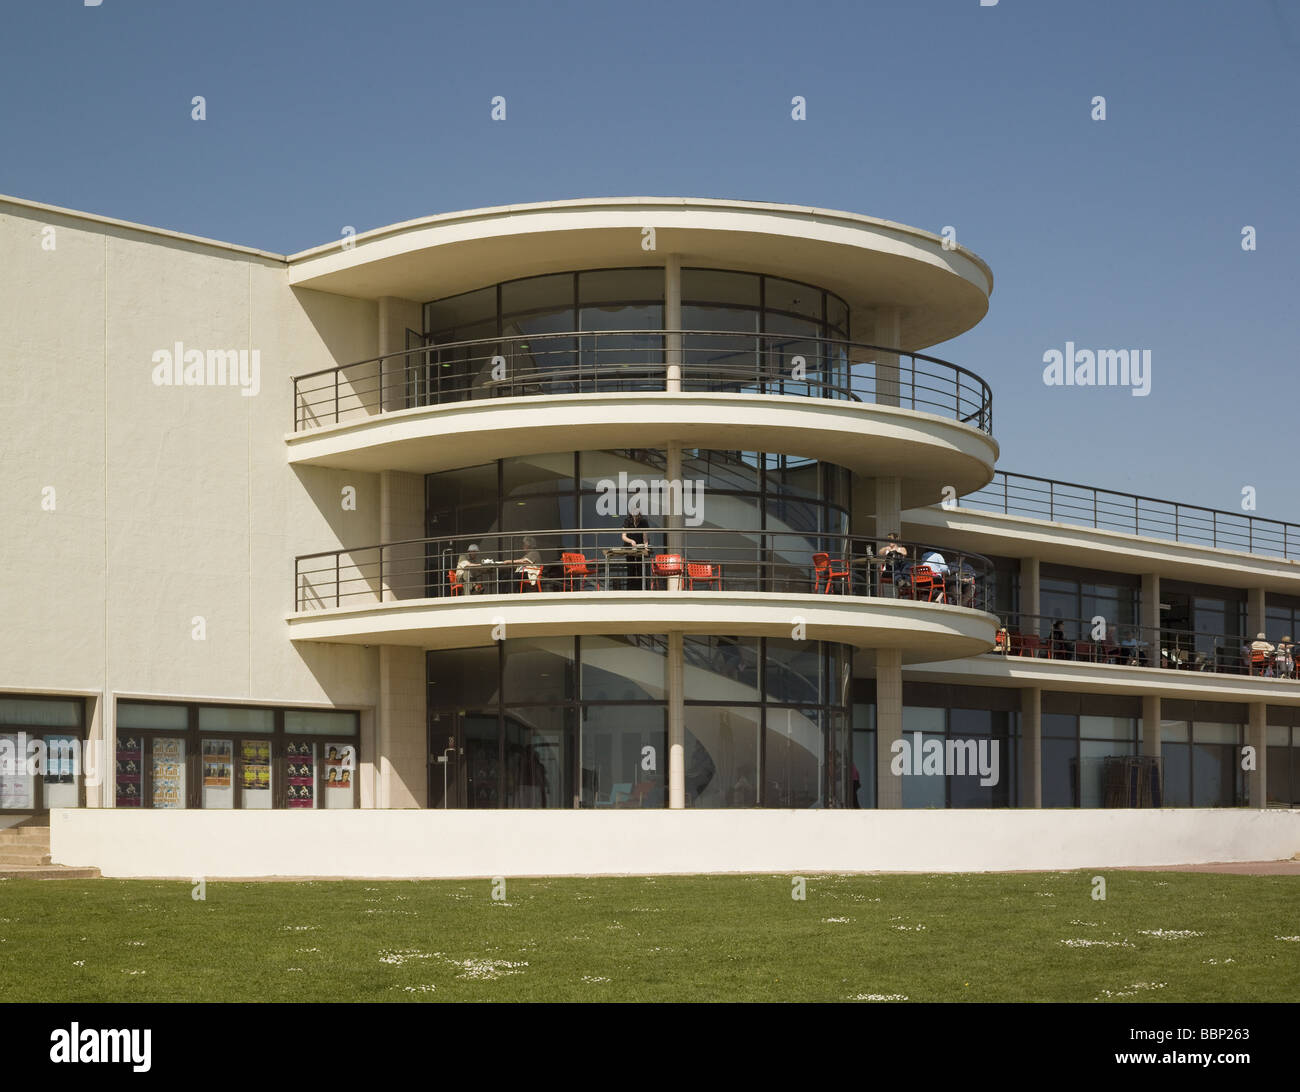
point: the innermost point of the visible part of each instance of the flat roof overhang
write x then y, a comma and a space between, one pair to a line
1101, 549
867, 261
922, 631
926, 451
1020, 672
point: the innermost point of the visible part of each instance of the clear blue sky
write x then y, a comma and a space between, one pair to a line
1122, 233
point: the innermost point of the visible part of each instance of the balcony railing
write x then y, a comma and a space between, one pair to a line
1084, 506
1099, 641
640, 361
597, 560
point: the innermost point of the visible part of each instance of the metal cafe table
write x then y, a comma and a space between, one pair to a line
627, 555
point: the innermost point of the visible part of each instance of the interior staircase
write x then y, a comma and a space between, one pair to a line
25, 854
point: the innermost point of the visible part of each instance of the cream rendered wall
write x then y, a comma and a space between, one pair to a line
558, 842
172, 502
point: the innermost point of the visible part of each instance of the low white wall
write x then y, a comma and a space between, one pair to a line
191, 844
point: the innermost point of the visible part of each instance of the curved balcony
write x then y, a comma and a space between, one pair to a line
930, 602
875, 410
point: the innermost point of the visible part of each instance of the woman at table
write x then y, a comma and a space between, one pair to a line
530, 564
634, 528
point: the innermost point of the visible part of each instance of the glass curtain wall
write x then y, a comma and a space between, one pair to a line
582, 722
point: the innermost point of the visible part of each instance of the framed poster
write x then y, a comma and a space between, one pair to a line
255, 762
130, 772
300, 762
218, 763
168, 772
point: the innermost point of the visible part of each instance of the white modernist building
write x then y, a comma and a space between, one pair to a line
495, 541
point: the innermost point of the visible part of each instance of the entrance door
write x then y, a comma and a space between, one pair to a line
446, 761
471, 774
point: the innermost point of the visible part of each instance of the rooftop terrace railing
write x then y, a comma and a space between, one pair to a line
1100, 641
597, 560
1086, 506
639, 361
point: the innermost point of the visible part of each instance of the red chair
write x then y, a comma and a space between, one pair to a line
1085, 651
703, 572
926, 580
577, 572
1259, 663
827, 570
457, 588
1031, 645
666, 566
530, 578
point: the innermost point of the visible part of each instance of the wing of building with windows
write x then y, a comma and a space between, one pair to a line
609, 535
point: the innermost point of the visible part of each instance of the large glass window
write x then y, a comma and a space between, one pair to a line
582, 721
43, 757
171, 756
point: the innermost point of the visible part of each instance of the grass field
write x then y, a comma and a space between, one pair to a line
1019, 937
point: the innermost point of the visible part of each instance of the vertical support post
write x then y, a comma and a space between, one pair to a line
889, 725
1031, 732
676, 723
1257, 737
673, 322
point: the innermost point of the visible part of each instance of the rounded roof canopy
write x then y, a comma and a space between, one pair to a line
869, 262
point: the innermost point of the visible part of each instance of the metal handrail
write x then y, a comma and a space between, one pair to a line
1102, 641
598, 361
777, 562
1151, 517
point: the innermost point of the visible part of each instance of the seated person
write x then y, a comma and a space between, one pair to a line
1134, 654
893, 563
1261, 646
935, 560
530, 564
1284, 659
466, 575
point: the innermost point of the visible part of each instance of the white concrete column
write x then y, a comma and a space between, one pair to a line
673, 321
1151, 616
98, 761
1256, 614
889, 725
1151, 714
1030, 603
675, 540
401, 518
403, 752
676, 723
396, 316
889, 507
889, 379
1257, 737
1031, 732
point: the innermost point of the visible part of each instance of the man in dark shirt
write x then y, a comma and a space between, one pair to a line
634, 535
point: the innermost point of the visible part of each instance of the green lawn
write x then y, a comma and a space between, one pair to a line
925, 938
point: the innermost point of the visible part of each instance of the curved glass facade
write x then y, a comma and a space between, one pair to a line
791, 315
583, 722
737, 489
633, 299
